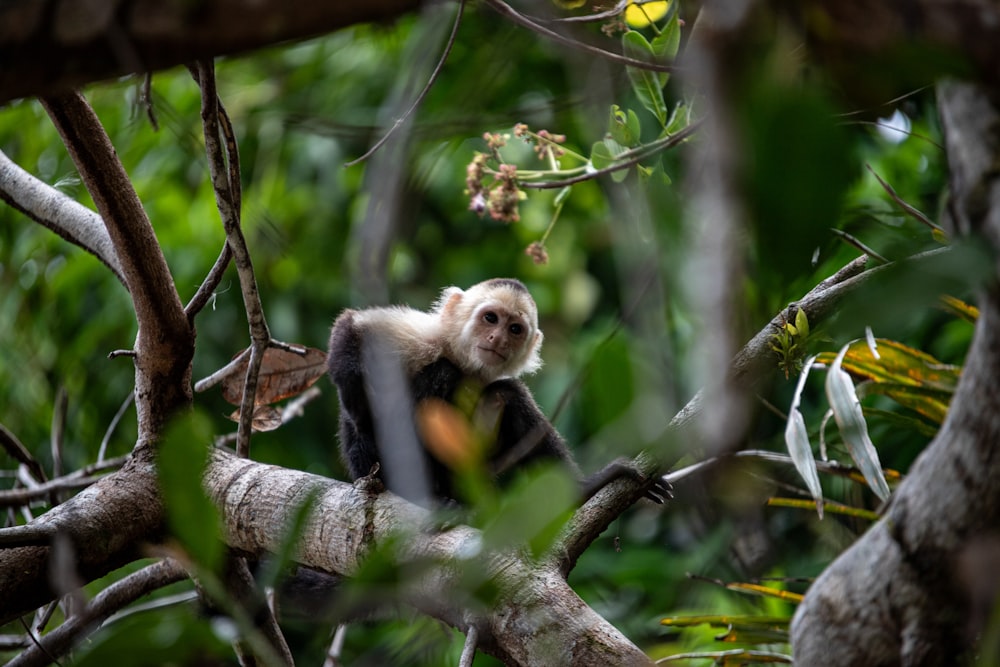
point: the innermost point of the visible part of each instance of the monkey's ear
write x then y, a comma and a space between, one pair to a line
450, 296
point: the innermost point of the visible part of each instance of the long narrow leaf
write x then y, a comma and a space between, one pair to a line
797, 441
645, 84
853, 429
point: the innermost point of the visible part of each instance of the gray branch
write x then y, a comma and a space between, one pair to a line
52, 209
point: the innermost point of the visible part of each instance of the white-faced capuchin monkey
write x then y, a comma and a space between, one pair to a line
487, 336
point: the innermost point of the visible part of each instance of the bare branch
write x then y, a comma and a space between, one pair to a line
108, 522
13, 446
509, 12
423, 93
207, 288
58, 48
755, 359
227, 199
52, 209
623, 161
163, 359
126, 590
258, 502
74, 480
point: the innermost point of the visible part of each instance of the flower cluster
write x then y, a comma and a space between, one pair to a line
505, 196
474, 184
547, 145
501, 200
536, 251
495, 141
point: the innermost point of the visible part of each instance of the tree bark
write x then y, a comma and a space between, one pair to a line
907, 592
536, 619
52, 46
104, 526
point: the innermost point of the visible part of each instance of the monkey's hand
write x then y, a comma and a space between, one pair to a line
655, 487
660, 490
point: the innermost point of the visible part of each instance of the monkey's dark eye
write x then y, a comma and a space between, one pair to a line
491, 317
516, 329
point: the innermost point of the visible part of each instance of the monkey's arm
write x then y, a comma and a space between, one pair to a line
346, 370
525, 436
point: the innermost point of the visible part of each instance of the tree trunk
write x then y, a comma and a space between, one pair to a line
910, 591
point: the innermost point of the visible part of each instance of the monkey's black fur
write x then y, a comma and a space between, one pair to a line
524, 435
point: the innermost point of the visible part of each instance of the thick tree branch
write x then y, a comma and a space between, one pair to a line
61, 45
52, 209
107, 523
536, 620
847, 34
165, 343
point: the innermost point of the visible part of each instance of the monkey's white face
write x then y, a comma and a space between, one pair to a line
499, 340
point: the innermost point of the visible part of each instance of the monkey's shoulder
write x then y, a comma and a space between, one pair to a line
412, 335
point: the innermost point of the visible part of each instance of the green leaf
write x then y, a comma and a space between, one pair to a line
533, 511
802, 323
853, 429
645, 84
600, 156
562, 196
192, 518
931, 403
616, 149
624, 127
680, 118
666, 44
797, 441
605, 153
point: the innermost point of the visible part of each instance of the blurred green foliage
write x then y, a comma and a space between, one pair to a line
616, 257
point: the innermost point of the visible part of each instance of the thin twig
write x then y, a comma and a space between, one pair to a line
856, 242
469, 649
208, 286
23, 496
20, 453
639, 155
58, 428
111, 599
227, 200
590, 18
77, 479
103, 449
35, 641
911, 210
214, 277
423, 93
831, 467
506, 10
